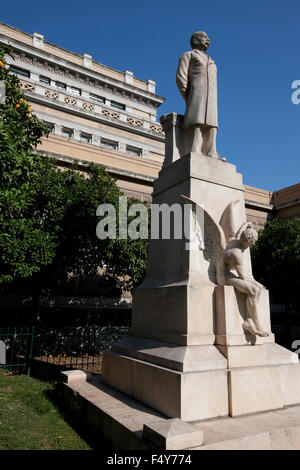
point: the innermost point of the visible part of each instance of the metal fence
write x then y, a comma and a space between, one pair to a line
16, 348
75, 347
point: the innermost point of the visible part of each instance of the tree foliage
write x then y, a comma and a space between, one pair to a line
67, 201
25, 245
276, 260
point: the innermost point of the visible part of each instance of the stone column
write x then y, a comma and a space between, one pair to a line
171, 124
177, 141
58, 129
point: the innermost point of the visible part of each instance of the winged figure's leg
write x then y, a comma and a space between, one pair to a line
252, 303
253, 291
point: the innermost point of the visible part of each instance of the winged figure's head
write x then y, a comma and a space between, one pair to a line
249, 237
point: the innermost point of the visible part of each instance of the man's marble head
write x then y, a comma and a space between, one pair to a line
200, 40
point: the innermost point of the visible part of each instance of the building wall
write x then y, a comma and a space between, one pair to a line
95, 113
287, 202
259, 206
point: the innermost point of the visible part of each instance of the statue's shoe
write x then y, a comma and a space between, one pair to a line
248, 325
214, 155
262, 333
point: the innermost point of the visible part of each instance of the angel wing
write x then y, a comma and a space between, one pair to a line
228, 221
196, 236
208, 218
213, 237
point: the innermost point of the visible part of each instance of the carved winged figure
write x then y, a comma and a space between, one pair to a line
227, 254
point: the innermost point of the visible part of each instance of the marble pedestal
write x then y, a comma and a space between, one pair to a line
170, 361
200, 391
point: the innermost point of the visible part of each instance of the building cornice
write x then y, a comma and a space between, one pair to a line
259, 206
65, 64
64, 160
287, 204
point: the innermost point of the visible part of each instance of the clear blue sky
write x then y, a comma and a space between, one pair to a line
255, 44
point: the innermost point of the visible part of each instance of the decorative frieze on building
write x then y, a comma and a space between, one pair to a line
83, 79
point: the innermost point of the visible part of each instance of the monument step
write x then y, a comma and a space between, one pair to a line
120, 421
208, 392
173, 356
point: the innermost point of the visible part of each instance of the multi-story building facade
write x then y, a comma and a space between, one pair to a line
99, 114
94, 113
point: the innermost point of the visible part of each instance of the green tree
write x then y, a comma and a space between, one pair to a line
24, 244
276, 260
67, 201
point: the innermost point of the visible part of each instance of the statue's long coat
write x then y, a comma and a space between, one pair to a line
196, 79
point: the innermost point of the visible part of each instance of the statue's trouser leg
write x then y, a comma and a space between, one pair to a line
210, 137
197, 141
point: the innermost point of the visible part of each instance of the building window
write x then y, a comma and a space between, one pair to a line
98, 99
45, 80
134, 151
50, 126
19, 71
60, 85
74, 90
116, 105
85, 138
108, 144
67, 132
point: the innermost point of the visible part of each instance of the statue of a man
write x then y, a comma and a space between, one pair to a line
197, 82
232, 258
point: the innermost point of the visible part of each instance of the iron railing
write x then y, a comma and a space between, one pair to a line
16, 348
77, 346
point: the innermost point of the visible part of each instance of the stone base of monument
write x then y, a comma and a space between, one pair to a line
197, 382
126, 424
188, 356
187, 382
237, 375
